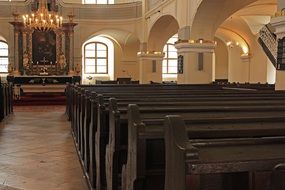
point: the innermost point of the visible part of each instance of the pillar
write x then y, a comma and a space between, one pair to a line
30, 46
58, 43
196, 61
24, 42
150, 67
17, 32
68, 29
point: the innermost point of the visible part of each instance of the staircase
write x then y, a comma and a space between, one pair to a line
268, 42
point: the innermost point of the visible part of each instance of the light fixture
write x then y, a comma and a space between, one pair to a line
42, 19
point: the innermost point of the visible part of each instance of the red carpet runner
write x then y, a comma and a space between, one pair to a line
33, 99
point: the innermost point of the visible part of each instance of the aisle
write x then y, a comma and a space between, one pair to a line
37, 151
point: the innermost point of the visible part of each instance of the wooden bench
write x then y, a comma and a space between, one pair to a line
145, 148
6, 100
188, 160
82, 131
118, 132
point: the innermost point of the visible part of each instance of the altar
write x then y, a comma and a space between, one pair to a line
44, 49
41, 84
43, 80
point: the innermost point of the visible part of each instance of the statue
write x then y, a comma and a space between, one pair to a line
62, 61
26, 61
10, 68
78, 68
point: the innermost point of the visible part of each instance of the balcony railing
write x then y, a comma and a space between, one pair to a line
269, 43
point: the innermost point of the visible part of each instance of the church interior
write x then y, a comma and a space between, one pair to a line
142, 94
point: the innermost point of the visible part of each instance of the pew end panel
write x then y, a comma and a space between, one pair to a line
176, 149
116, 147
101, 140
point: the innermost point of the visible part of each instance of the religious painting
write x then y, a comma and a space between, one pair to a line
44, 47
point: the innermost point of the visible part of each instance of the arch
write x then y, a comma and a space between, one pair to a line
204, 25
121, 37
2, 39
90, 60
126, 46
163, 29
231, 38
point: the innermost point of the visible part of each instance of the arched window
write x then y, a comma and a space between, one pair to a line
169, 63
98, 1
4, 61
96, 58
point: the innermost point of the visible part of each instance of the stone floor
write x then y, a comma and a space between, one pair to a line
37, 151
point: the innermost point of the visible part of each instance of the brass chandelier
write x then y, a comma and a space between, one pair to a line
42, 19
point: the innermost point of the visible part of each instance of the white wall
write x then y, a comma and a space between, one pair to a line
258, 64
238, 69
222, 60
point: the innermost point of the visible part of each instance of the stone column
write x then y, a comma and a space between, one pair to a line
30, 46
150, 67
17, 33
59, 34
63, 43
196, 62
71, 52
279, 24
16, 52
24, 41
68, 29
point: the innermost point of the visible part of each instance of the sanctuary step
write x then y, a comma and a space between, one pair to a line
41, 98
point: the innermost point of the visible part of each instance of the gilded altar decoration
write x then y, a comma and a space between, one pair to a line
62, 61
78, 68
42, 19
10, 68
280, 13
26, 61
43, 43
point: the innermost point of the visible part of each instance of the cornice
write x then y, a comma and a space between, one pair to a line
185, 47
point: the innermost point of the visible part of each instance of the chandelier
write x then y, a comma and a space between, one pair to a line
42, 19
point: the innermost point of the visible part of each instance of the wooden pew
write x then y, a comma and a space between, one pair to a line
198, 96
116, 147
187, 160
105, 89
6, 100
277, 181
161, 89
152, 132
80, 121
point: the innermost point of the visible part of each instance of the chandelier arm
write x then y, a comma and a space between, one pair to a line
42, 19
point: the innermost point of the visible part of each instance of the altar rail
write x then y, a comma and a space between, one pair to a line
43, 80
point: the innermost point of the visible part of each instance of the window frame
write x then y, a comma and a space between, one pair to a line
6, 56
167, 59
96, 58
